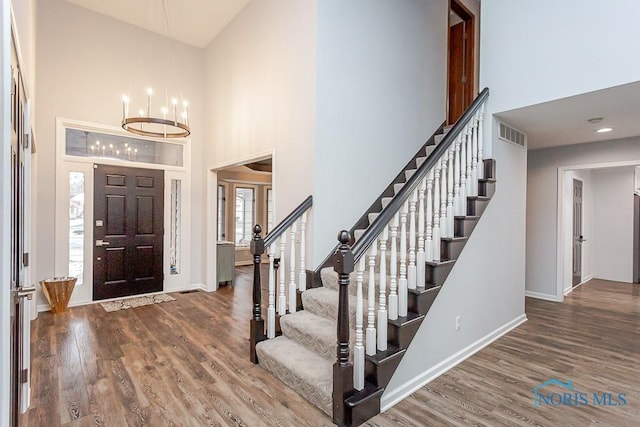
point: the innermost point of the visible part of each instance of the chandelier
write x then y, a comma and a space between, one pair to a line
167, 126
172, 124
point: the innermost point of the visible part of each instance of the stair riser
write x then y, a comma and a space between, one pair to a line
421, 302
436, 275
450, 250
464, 227
489, 168
380, 373
486, 188
475, 207
401, 336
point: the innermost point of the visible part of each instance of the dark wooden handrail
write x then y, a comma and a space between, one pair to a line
288, 221
375, 228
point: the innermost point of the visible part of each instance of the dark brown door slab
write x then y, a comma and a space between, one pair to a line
578, 238
128, 231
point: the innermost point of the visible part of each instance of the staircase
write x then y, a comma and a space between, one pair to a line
404, 246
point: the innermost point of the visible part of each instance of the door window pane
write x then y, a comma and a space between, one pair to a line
174, 239
222, 206
244, 215
76, 226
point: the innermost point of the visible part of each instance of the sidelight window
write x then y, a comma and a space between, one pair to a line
76, 226
174, 239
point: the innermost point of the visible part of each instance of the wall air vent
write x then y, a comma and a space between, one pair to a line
509, 134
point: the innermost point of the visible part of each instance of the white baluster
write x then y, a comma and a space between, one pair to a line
282, 296
468, 161
429, 239
420, 259
371, 299
450, 214
402, 283
443, 197
436, 213
271, 308
358, 348
463, 176
382, 300
292, 276
411, 271
480, 144
303, 268
393, 269
456, 176
474, 157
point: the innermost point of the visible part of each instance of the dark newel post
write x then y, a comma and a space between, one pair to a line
343, 369
257, 323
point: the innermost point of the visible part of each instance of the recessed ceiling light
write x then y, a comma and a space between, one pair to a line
604, 130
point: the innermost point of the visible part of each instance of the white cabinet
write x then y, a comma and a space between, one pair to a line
225, 262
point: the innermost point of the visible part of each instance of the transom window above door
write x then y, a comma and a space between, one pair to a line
84, 143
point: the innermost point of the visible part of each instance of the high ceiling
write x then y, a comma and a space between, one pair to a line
564, 121
195, 22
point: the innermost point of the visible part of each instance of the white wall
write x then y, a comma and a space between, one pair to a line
260, 98
86, 62
613, 216
585, 176
549, 49
542, 202
381, 93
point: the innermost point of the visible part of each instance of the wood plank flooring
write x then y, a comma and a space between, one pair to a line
592, 339
185, 363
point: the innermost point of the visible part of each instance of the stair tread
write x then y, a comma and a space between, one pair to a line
467, 217
486, 180
323, 302
315, 332
306, 372
390, 352
482, 198
453, 239
437, 263
430, 288
409, 318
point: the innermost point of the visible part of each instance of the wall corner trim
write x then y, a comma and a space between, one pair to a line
546, 297
426, 377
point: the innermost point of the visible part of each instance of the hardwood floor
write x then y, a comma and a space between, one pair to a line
181, 363
185, 363
592, 339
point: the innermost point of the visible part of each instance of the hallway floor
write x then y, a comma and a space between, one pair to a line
186, 363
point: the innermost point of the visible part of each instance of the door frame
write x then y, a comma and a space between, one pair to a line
83, 294
472, 56
212, 208
563, 251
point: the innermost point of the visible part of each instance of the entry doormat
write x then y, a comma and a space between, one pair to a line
124, 304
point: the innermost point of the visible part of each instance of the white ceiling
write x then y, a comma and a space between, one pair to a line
564, 121
195, 22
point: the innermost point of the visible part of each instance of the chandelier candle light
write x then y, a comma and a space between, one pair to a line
147, 125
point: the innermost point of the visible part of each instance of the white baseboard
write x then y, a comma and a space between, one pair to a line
426, 377
585, 280
539, 295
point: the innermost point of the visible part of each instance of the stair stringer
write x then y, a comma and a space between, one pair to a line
437, 346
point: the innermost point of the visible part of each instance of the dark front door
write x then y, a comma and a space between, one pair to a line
128, 231
461, 60
577, 232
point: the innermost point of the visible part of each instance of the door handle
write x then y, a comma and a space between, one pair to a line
582, 239
102, 243
25, 291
